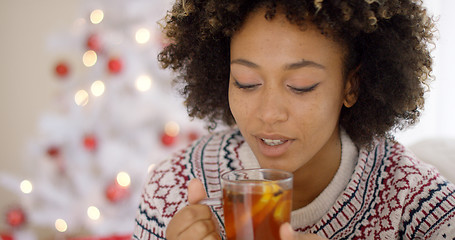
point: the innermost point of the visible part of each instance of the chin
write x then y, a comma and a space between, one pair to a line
273, 164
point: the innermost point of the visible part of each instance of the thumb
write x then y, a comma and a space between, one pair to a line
196, 191
286, 232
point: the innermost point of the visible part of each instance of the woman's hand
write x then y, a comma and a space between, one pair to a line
195, 221
287, 233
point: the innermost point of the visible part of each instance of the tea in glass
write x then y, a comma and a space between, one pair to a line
256, 202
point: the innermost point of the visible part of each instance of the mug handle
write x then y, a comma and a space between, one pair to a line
211, 202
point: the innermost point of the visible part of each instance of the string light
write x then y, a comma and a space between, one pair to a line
123, 179
81, 98
93, 213
97, 88
26, 186
89, 58
96, 16
142, 35
172, 129
61, 225
143, 83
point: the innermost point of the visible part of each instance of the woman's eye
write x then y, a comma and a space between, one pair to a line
304, 89
245, 86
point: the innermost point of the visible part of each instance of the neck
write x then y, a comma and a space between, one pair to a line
312, 178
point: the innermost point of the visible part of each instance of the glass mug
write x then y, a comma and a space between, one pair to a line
255, 202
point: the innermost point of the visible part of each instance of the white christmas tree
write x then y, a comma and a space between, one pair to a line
115, 115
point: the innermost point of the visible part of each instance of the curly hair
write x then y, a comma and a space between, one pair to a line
387, 47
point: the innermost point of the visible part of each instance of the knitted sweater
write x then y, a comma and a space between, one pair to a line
384, 193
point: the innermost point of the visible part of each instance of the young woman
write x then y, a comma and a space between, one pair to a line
315, 88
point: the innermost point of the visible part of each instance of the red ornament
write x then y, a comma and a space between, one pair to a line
115, 65
62, 69
6, 237
90, 142
55, 154
116, 193
53, 151
93, 43
168, 140
15, 217
192, 136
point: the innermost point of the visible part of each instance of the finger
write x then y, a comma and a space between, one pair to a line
196, 191
203, 229
187, 216
286, 232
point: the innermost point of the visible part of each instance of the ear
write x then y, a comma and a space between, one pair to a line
351, 88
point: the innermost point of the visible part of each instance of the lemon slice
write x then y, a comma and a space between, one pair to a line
269, 192
271, 195
282, 210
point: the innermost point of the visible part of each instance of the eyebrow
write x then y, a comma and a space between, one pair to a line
291, 66
303, 63
245, 62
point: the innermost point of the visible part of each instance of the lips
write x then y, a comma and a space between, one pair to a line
273, 145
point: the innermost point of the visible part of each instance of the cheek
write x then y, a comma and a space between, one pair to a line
321, 108
329, 109
242, 108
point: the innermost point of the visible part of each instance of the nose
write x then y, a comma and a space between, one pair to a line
272, 107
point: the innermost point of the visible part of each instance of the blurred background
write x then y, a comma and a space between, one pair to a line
85, 111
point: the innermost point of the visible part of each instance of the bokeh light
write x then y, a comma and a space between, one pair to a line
96, 16
97, 88
142, 35
26, 186
81, 98
61, 225
123, 179
89, 58
93, 213
172, 129
143, 83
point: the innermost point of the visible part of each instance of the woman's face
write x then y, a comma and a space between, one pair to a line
286, 91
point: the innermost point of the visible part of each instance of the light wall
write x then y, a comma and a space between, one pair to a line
27, 83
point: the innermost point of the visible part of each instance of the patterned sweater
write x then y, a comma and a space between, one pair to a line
384, 193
